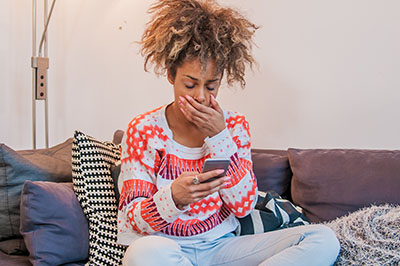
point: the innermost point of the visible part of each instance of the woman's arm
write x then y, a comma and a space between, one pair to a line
144, 208
227, 139
234, 143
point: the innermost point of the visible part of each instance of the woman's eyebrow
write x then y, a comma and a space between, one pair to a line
213, 80
195, 79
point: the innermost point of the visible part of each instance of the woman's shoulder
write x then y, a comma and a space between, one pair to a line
150, 118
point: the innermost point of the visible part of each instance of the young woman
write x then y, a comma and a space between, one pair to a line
169, 214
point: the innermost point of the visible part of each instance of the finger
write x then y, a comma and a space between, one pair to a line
198, 106
195, 116
220, 181
190, 111
215, 104
188, 177
186, 114
204, 193
208, 186
207, 175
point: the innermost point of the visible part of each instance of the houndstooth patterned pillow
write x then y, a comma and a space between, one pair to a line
94, 188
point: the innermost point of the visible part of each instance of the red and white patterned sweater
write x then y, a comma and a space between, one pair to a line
151, 160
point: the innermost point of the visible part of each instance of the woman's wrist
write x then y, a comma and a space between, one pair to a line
216, 132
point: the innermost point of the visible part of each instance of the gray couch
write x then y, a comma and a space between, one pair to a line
326, 183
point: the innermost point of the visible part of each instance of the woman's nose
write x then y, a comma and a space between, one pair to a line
200, 96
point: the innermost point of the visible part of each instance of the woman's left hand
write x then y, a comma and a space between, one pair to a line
209, 120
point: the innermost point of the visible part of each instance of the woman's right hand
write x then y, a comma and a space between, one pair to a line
185, 191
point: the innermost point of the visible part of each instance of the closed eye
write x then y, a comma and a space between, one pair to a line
211, 86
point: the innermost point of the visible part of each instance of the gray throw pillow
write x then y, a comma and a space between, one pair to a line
53, 224
52, 164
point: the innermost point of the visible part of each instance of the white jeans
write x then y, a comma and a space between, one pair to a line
303, 245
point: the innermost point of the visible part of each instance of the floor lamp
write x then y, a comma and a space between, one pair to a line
40, 65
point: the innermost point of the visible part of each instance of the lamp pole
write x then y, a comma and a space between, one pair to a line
34, 74
46, 113
40, 65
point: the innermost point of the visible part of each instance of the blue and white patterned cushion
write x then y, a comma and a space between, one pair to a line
271, 213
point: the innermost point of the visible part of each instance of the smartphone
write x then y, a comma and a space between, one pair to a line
214, 164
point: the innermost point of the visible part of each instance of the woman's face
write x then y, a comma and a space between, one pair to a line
191, 80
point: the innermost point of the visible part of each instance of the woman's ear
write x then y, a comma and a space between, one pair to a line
170, 77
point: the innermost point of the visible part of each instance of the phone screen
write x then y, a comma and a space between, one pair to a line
214, 164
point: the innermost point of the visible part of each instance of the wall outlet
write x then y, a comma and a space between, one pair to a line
40, 64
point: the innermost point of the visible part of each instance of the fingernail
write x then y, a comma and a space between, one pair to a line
180, 103
220, 171
188, 97
182, 110
181, 98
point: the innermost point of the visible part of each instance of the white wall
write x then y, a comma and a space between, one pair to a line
328, 76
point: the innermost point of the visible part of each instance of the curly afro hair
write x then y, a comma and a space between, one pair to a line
181, 30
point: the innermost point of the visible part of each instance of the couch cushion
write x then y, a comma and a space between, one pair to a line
328, 183
94, 187
272, 170
53, 164
53, 224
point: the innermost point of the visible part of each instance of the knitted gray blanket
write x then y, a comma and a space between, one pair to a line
370, 236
